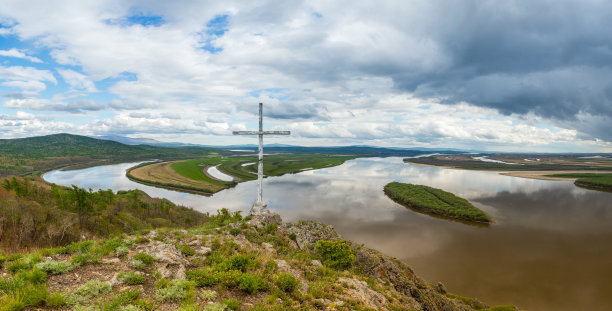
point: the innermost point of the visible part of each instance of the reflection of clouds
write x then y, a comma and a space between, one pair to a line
542, 227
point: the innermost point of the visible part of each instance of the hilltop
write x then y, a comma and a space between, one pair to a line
130, 252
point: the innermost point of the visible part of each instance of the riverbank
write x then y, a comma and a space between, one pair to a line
226, 263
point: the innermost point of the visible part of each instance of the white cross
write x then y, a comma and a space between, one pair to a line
260, 133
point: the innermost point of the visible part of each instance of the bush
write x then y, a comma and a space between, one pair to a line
55, 267
87, 291
292, 236
16, 266
204, 277
286, 282
241, 262
122, 250
252, 283
55, 300
231, 304
214, 307
186, 250
144, 258
175, 290
34, 276
336, 254
131, 278
271, 229
235, 231
208, 295
80, 259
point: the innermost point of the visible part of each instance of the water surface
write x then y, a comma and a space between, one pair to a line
549, 249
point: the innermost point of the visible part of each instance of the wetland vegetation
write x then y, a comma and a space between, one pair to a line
191, 176
589, 180
435, 201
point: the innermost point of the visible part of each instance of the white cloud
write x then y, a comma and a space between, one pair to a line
77, 80
41, 104
19, 54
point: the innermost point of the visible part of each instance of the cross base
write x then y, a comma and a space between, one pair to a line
259, 208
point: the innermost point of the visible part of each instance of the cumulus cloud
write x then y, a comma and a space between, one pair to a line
77, 81
19, 54
338, 71
42, 104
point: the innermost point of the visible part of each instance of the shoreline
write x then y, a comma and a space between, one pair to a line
541, 175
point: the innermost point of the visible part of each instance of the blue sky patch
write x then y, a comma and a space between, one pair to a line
215, 28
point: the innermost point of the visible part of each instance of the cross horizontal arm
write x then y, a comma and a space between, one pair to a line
261, 133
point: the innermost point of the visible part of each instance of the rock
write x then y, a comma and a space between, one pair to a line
268, 247
111, 260
261, 216
234, 225
203, 251
441, 288
152, 234
359, 290
170, 262
308, 232
316, 263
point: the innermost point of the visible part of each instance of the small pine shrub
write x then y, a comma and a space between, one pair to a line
87, 291
336, 254
214, 307
55, 267
33, 295
16, 266
241, 262
252, 283
292, 236
204, 277
34, 276
186, 250
55, 300
208, 295
231, 304
286, 282
175, 290
80, 259
235, 231
131, 278
122, 250
144, 258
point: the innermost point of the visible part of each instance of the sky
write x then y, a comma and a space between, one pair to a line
514, 76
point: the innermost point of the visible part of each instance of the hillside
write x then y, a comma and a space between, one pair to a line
221, 262
35, 154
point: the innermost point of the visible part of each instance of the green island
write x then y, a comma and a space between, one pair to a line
435, 201
70, 248
190, 175
589, 180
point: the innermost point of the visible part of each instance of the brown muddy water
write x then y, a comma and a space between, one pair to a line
550, 247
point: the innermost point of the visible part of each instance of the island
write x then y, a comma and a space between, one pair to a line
435, 201
588, 180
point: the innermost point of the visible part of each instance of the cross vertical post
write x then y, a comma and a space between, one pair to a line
260, 133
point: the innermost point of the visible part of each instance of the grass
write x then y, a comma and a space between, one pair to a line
434, 201
188, 175
589, 180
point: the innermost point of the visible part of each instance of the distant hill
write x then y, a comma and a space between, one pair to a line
129, 140
26, 155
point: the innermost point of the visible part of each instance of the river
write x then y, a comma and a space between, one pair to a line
550, 247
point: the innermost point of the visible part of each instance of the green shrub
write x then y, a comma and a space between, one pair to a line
292, 236
33, 295
144, 258
204, 277
124, 298
208, 295
271, 229
131, 278
186, 250
235, 231
2, 260
16, 266
13, 257
12, 302
214, 307
286, 282
241, 262
80, 259
55, 300
87, 291
175, 290
141, 240
55, 267
336, 254
34, 276
231, 304
109, 246
122, 250
271, 266
252, 283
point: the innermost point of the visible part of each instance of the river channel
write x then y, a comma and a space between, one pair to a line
550, 247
